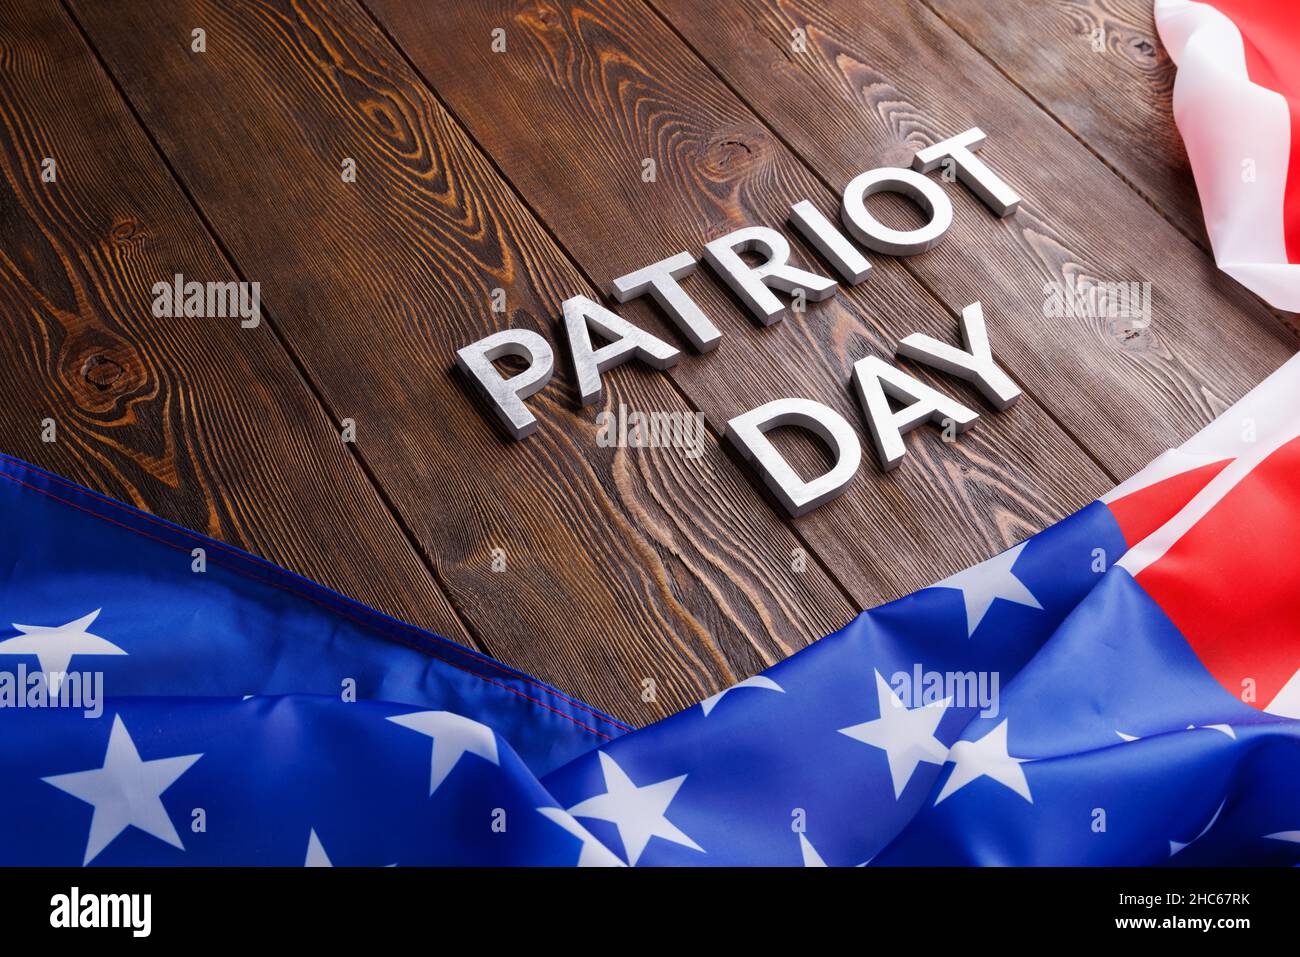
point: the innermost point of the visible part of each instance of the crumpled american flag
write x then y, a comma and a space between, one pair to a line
1122, 688
1237, 106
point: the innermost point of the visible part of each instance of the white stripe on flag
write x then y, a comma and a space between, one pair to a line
1287, 702
1264, 411
1264, 420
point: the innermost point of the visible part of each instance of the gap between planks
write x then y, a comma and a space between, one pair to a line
817, 175
412, 542
1119, 174
586, 276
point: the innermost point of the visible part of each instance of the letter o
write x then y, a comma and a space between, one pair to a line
874, 234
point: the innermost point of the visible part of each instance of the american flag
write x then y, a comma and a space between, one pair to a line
1122, 688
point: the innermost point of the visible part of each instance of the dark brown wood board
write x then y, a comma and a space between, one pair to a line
1098, 67
206, 424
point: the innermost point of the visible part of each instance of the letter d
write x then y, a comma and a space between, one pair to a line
747, 433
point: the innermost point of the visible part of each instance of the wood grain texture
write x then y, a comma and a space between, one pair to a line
1099, 68
196, 420
620, 564
582, 95
875, 85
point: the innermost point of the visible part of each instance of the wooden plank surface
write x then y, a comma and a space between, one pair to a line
1099, 68
876, 84
197, 420
585, 93
620, 565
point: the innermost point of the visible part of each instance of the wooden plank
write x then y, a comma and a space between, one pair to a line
582, 96
873, 86
196, 420
620, 565
1099, 68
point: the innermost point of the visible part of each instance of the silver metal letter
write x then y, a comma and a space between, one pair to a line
506, 396
625, 341
874, 234
746, 433
971, 170
975, 365
660, 280
876, 380
830, 242
751, 283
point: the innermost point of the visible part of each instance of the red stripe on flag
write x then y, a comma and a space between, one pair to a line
1140, 513
1270, 31
1231, 583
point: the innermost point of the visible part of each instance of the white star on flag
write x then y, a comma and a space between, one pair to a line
758, 681
453, 735
593, 853
905, 735
986, 757
810, 856
637, 812
316, 856
982, 584
54, 646
125, 792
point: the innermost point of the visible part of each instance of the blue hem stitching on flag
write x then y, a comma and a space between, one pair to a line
314, 591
